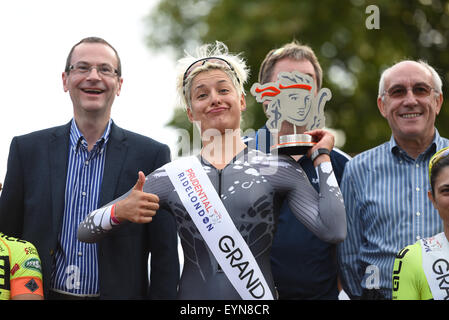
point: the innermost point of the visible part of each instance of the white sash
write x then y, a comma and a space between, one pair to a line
217, 228
435, 261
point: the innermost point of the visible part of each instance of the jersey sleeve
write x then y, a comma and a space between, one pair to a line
26, 272
322, 213
409, 281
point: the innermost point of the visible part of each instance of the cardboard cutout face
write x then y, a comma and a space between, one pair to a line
291, 98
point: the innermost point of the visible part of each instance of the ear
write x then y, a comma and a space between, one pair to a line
119, 88
381, 106
439, 100
190, 114
242, 103
429, 195
64, 81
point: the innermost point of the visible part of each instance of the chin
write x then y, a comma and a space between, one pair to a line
93, 107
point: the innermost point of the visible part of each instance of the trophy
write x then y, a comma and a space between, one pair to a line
290, 103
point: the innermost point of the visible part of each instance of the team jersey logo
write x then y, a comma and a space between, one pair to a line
32, 264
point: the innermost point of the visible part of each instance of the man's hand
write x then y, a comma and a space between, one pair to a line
139, 206
324, 139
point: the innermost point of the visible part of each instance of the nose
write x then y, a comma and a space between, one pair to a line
93, 74
215, 97
410, 98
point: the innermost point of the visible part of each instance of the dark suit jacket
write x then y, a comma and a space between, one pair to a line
32, 206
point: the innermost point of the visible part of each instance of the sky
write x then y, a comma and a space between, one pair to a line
36, 39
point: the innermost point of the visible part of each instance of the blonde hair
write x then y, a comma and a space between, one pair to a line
235, 68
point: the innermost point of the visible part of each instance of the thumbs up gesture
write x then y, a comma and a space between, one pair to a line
138, 206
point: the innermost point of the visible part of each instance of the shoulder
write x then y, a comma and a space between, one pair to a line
368, 157
410, 254
32, 137
339, 156
339, 159
35, 144
443, 142
268, 159
281, 168
18, 248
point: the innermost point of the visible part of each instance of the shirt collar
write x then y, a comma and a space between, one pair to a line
77, 139
436, 144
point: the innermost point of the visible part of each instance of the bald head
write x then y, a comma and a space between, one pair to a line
407, 67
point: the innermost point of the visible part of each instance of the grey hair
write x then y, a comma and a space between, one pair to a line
436, 79
219, 50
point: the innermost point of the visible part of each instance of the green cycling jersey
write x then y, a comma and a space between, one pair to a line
20, 269
409, 279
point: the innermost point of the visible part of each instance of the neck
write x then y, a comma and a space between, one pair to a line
219, 150
414, 147
91, 128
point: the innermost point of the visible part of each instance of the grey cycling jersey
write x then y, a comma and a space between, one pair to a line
251, 187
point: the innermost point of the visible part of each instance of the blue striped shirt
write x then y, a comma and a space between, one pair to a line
385, 194
76, 266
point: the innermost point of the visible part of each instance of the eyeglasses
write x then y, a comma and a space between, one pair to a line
443, 153
201, 62
85, 68
419, 90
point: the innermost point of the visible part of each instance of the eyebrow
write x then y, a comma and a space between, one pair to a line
442, 187
417, 83
218, 82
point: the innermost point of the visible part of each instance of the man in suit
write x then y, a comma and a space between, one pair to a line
304, 267
56, 176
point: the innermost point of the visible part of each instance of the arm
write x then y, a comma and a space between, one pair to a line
26, 282
134, 206
325, 215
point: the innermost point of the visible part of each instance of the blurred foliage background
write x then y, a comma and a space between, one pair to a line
352, 56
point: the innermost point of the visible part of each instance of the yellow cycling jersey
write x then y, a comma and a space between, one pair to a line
20, 268
409, 279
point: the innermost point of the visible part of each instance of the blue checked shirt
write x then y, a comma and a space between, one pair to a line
385, 194
76, 269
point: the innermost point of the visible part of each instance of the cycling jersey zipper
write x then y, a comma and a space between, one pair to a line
219, 182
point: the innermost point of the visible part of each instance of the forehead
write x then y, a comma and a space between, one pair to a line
210, 77
289, 65
443, 177
94, 53
408, 73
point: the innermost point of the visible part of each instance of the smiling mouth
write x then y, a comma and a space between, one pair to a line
410, 115
219, 109
92, 91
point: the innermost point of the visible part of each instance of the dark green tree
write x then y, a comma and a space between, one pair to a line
351, 49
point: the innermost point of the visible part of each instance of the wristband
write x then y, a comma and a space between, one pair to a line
319, 152
113, 218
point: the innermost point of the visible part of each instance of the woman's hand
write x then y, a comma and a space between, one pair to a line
138, 206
